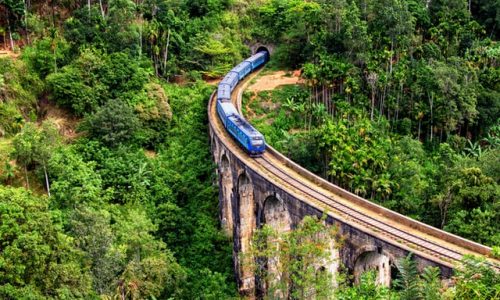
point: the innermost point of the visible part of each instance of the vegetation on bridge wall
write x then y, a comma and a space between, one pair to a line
291, 265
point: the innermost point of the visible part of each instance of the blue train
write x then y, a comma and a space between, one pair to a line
248, 137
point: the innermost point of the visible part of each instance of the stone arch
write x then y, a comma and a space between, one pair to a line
247, 224
374, 258
214, 147
331, 263
262, 47
225, 190
276, 214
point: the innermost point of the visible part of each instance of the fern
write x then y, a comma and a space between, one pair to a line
408, 281
430, 284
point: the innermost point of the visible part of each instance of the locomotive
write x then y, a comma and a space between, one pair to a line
245, 134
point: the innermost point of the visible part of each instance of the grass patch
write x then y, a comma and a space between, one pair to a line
5, 149
268, 70
267, 112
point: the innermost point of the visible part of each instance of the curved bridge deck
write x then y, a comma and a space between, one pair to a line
434, 245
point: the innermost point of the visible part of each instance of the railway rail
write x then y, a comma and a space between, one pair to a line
435, 245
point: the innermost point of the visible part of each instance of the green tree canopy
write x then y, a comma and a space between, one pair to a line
38, 260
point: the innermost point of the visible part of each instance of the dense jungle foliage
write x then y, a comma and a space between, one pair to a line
107, 186
400, 104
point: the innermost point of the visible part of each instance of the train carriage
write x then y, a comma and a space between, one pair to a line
257, 60
231, 79
243, 69
225, 110
224, 92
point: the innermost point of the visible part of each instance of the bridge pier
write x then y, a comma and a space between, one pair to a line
245, 228
275, 214
225, 195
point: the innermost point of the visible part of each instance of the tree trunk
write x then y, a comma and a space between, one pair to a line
102, 9
26, 22
431, 102
165, 57
310, 100
10, 34
26, 175
310, 122
373, 105
47, 185
323, 96
444, 208
53, 11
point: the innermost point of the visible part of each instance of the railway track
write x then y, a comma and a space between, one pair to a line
287, 176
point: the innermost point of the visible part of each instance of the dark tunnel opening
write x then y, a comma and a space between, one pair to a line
264, 49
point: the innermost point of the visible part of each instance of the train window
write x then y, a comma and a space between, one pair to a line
257, 141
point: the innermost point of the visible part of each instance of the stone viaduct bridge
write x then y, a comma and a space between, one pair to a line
274, 190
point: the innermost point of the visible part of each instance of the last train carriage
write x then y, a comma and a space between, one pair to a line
245, 134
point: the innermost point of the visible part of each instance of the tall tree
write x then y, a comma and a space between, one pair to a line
38, 259
24, 145
35, 146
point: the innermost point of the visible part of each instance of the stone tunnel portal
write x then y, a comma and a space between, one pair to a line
257, 47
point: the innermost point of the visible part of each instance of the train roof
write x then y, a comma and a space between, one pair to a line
255, 56
223, 91
240, 67
230, 77
245, 126
228, 108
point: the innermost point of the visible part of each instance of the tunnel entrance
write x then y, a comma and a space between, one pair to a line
262, 48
